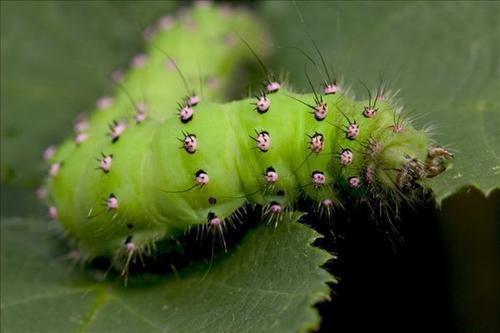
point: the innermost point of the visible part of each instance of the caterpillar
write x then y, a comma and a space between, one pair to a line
158, 159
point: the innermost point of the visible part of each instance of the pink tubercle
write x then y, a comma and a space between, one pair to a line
352, 131
117, 130
190, 143
215, 221
112, 202
104, 102
346, 157
276, 208
81, 123
166, 23
370, 175
54, 169
273, 87
186, 113
369, 111
53, 213
141, 107
321, 111
202, 178
139, 60
80, 138
317, 143
81, 126
354, 182
375, 148
327, 202
331, 89
263, 141
105, 163
271, 176
130, 247
397, 128
141, 111
263, 104
193, 100
140, 117
49, 152
318, 178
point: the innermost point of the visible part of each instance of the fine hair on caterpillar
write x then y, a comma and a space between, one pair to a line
191, 99
181, 162
271, 83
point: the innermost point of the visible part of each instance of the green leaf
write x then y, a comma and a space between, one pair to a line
269, 282
443, 56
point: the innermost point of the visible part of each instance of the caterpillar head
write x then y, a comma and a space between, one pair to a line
410, 158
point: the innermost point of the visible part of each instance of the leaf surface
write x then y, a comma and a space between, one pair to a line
269, 282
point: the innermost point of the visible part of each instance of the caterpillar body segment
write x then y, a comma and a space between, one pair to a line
191, 56
163, 156
154, 181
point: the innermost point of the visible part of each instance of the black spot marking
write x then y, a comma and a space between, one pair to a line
185, 121
199, 172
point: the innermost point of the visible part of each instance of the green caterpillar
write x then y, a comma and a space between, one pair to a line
175, 162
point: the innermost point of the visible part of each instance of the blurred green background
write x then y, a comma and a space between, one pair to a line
444, 56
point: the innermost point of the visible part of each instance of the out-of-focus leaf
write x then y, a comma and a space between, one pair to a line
268, 283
